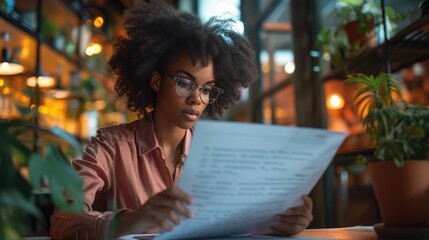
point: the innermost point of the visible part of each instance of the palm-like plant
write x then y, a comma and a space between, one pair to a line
398, 131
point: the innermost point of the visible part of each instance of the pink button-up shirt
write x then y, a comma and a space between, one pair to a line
121, 168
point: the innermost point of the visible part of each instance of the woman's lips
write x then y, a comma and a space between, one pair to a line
191, 115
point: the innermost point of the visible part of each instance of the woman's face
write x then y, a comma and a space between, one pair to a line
181, 111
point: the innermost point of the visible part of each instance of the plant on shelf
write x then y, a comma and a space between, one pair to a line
355, 29
399, 135
334, 46
17, 199
360, 17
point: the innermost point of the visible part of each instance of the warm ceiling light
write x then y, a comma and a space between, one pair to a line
290, 67
8, 66
93, 49
98, 22
44, 81
335, 101
6, 91
59, 93
97, 48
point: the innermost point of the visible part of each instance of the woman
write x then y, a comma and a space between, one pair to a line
172, 69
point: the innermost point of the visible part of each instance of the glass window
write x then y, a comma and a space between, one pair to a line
277, 65
225, 9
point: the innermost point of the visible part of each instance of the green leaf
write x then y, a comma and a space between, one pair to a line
62, 178
66, 136
21, 184
37, 166
16, 198
7, 169
398, 161
24, 111
351, 2
14, 148
28, 92
7, 232
13, 199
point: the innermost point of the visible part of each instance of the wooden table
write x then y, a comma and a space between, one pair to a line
349, 233
354, 233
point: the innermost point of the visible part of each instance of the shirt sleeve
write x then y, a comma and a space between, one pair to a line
95, 168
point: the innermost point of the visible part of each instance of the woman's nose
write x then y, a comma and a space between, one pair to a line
195, 98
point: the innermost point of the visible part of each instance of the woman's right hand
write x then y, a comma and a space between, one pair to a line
161, 211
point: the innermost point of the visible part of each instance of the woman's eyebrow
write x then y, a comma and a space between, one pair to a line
192, 77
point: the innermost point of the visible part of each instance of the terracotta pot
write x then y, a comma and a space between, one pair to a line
355, 35
402, 192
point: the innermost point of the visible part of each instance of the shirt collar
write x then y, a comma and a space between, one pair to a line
186, 144
146, 139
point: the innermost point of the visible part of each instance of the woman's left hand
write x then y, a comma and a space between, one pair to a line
293, 220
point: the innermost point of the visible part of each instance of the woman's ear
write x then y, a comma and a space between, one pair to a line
155, 81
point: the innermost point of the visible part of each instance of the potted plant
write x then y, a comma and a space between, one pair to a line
355, 30
17, 199
359, 18
399, 135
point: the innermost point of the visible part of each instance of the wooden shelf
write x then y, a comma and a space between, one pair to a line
407, 47
11, 23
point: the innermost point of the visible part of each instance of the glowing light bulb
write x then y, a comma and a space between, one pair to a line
98, 22
335, 101
290, 67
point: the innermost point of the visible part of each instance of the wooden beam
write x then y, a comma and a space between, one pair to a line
281, 27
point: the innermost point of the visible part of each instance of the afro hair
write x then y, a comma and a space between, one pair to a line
155, 30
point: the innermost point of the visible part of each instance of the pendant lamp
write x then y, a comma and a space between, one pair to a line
59, 91
43, 81
8, 65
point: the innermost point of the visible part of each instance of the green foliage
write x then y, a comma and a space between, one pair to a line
50, 30
334, 41
352, 10
16, 198
398, 131
360, 10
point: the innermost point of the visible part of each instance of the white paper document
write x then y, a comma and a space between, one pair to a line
240, 175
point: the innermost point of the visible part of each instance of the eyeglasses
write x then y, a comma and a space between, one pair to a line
186, 87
